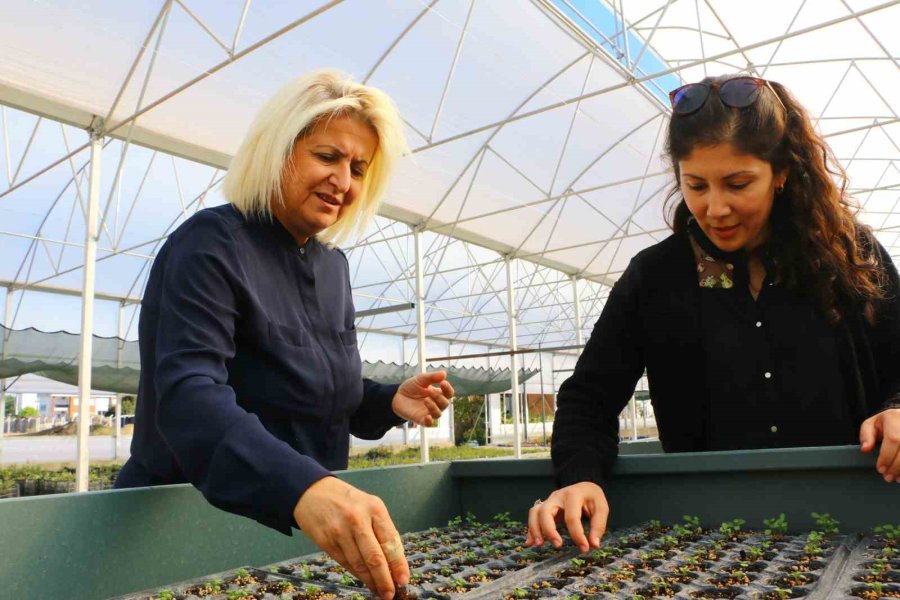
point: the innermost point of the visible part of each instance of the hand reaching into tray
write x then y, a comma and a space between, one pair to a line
571, 503
884, 426
355, 529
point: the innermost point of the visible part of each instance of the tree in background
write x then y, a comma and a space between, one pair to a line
468, 420
29, 411
10, 402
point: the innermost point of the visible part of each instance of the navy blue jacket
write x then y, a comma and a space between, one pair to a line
250, 373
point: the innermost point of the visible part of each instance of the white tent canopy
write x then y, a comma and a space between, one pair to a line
537, 128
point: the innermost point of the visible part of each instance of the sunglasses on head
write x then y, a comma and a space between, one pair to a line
738, 92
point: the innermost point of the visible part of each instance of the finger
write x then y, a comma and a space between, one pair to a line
547, 512
894, 468
868, 434
886, 458
441, 402
375, 561
599, 512
433, 408
534, 537
391, 544
573, 510
353, 561
447, 389
426, 379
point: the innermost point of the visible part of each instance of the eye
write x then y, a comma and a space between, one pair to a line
357, 172
325, 157
696, 187
739, 186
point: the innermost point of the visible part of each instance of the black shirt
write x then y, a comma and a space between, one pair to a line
250, 374
655, 318
773, 369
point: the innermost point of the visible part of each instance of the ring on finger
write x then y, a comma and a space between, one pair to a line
537, 502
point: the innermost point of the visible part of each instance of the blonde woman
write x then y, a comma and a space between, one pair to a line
250, 373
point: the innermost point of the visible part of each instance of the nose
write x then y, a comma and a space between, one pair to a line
717, 206
341, 177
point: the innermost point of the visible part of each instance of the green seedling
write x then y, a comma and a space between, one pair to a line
455, 521
776, 527
782, 593
577, 563
312, 590
472, 520
166, 595
878, 567
348, 580
520, 593
358, 596
502, 517
457, 582
890, 533
798, 575
239, 595
876, 586
826, 523
242, 573
731, 528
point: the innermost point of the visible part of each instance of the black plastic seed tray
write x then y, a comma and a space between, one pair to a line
241, 584
472, 561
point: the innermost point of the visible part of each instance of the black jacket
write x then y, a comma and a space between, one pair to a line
652, 321
250, 374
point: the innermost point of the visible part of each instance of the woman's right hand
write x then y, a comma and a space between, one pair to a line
355, 529
571, 503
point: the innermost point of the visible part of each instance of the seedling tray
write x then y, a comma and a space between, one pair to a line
474, 561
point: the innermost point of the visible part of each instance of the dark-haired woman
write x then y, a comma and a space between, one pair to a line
769, 318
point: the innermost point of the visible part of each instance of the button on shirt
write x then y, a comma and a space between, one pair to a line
772, 367
250, 373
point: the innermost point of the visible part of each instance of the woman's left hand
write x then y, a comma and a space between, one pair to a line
886, 427
421, 403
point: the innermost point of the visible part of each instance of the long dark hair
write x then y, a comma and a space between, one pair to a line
822, 251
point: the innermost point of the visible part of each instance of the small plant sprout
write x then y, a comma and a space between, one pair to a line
776, 527
502, 517
890, 533
731, 528
577, 563
456, 582
239, 595
782, 593
304, 572
455, 521
826, 523
798, 575
348, 579
878, 567
520, 593
876, 586
472, 520
166, 595
692, 522
358, 596
313, 590
242, 573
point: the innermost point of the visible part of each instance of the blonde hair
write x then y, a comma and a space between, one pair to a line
253, 181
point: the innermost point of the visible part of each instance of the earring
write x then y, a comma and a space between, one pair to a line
779, 189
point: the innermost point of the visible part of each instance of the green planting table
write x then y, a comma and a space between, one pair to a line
108, 543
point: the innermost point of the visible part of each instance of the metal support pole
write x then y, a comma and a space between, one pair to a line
120, 347
7, 304
576, 302
634, 435
420, 327
403, 364
450, 415
543, 407
513, 358
87, 316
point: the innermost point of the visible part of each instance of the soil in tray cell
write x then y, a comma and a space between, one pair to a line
873, 591
783, 593
730, 579
794, 579
659, 591
550, 583
521, 594
712, 592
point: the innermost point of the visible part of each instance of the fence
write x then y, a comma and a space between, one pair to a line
33, 424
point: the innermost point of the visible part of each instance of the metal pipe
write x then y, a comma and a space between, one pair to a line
513, 357
87, 316
420, 329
